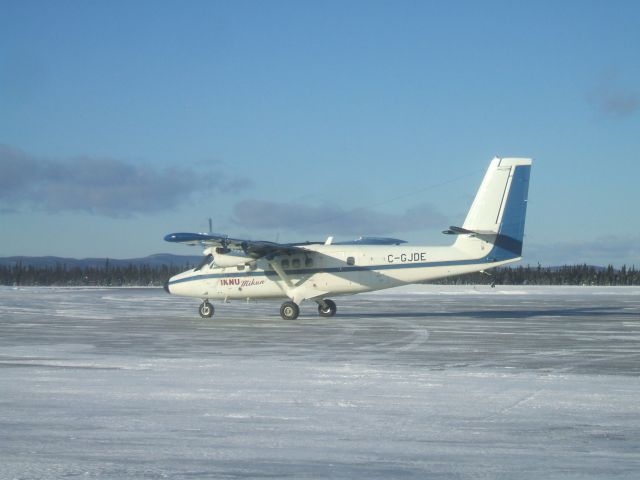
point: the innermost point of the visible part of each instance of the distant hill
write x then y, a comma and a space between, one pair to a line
156, 260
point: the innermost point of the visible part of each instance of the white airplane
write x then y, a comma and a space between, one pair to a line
491, 236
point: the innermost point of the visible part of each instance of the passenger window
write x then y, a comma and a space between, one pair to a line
253, 266
285, 263
295, 263
351, 261
241, 267
308, 262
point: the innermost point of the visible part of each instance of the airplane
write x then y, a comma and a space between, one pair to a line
491, 236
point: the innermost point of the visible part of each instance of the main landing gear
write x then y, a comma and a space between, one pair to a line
291, 310
327, 308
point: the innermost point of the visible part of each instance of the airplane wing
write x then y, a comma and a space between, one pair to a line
262, 248
253, 248
372, 241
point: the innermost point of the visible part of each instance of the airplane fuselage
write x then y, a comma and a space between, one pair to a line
321, 270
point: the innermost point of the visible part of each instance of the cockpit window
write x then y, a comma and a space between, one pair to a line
205, 261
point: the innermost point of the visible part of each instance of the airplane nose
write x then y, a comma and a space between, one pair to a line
166, 286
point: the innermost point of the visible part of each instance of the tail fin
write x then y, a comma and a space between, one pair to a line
498, 212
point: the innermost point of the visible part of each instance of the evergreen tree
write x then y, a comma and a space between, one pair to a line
147, 275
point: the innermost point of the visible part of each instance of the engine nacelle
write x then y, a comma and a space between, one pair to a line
229, 260
226, 258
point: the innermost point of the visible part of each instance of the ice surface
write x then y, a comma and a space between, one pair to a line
418, 382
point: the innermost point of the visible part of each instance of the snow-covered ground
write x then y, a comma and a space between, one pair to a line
416, 382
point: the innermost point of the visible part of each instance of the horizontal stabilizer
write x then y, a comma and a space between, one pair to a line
463, 231
456, 231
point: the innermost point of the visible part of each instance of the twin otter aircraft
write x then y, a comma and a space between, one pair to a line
491, 236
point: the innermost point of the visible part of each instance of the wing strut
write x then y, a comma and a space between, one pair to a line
300, 292
281, 273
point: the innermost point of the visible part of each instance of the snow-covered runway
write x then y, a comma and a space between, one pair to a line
417, 382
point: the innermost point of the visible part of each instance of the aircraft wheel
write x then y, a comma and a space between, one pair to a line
329, 308
206, 309
289, 311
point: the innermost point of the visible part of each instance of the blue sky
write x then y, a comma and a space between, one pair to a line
292, 120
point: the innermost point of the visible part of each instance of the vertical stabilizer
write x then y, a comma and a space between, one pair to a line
498, 212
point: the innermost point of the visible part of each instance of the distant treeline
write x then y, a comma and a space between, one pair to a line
105, 275
145, 275
565, 275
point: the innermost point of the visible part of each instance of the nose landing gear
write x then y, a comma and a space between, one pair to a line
206, 309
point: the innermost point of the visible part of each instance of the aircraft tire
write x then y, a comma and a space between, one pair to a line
206, 309
329, 310
289, 311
